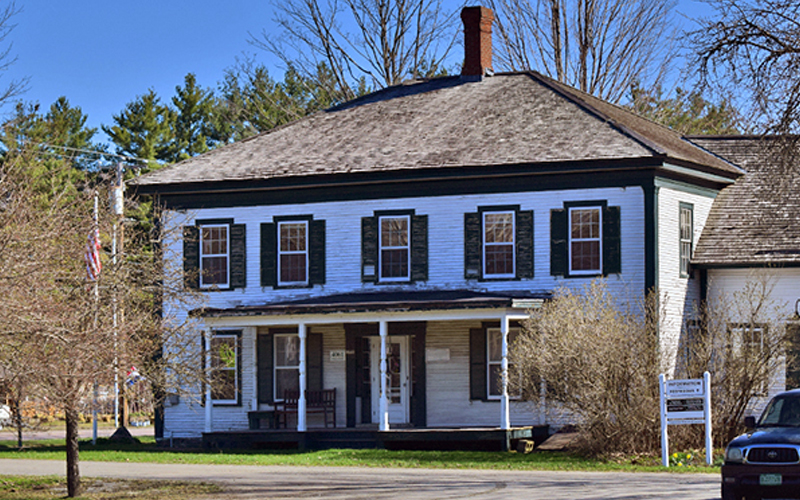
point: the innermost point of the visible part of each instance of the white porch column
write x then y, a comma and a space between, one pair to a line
208, 377
505, 419
384, 401
301, 401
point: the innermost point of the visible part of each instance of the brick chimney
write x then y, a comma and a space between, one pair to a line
477, 40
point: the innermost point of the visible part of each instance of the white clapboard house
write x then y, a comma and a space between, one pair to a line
385, 250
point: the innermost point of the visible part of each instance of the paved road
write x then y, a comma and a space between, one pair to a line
339, 483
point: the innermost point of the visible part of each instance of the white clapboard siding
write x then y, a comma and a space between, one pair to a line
448, 382
678, 297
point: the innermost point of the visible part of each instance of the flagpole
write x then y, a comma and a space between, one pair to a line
96, 303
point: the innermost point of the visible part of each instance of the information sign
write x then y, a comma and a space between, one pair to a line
685, 402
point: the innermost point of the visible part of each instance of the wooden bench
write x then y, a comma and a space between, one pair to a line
316, 402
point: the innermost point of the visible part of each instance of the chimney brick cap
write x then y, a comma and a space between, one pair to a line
477, 13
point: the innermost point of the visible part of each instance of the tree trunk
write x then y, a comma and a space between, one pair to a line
73, 471
18, 421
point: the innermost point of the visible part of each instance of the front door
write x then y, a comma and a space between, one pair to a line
397, 378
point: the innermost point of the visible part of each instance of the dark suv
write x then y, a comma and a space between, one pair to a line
765, 461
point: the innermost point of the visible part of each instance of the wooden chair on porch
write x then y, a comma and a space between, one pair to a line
323, 402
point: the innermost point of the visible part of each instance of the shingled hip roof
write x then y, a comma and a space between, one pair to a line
504, 120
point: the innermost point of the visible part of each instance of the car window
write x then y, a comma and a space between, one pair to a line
790, 412
772, 414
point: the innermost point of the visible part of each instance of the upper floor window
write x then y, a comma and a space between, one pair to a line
214, 257
585, 240
225, 367
214, 254
395, 248
293, 253
686, 230
498, 245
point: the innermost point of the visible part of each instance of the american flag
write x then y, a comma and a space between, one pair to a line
92, 254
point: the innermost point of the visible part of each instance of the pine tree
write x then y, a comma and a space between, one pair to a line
144, 129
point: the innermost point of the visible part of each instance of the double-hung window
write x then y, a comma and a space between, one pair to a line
293, 253
494, 359
498, 245
225, 368
686, 229
585, 240
287, 364
214, 256
395, 248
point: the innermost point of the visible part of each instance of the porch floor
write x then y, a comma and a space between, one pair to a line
466, 439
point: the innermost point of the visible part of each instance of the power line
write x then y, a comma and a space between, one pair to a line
94, 152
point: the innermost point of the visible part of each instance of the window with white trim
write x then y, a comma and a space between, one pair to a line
498, 245
287, 364
686, 229
293, 253
214, 256
585, 240
224, 368
749, 340
395, 248
494, 359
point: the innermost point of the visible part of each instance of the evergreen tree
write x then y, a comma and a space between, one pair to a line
688, 112
144, 129
193, 106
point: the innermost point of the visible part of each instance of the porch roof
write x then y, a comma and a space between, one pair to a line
390, 301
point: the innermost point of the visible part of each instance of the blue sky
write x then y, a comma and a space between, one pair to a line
101, 54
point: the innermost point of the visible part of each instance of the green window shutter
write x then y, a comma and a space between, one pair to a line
558, 242
265, 362
419, 247
238, 256
477, 363
191, 256
369, 249
316, 255
269, 254
612, 242
472, 246
524, 239
314, 361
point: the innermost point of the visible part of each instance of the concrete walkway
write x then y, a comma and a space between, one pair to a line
340, 483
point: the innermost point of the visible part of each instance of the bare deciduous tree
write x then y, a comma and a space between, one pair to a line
752, 47
60, 333
599, 362
740, 339
362, 42
599, 46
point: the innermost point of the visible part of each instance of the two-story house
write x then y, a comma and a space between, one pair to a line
388, 247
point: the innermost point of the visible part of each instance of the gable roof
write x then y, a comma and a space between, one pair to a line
507, 119
756, 221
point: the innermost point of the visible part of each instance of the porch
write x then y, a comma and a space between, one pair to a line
470, 439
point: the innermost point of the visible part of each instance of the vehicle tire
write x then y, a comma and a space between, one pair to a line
730, 493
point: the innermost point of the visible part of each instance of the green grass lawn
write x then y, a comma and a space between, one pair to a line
147, 451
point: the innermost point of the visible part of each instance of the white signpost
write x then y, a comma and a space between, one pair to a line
685, 402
